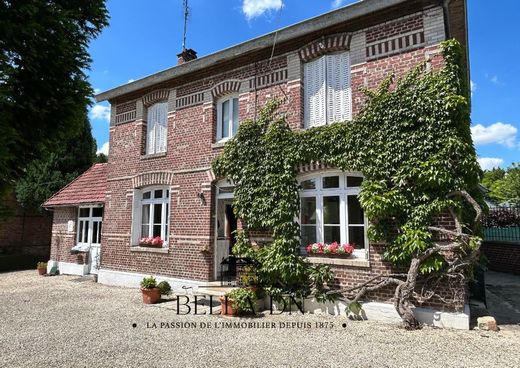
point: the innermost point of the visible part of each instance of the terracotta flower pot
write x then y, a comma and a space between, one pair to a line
42, 271
151, 296
226, 308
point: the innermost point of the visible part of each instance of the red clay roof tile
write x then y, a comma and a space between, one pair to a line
89, 187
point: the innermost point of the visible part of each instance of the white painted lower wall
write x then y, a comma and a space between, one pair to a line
371, 310
131, 279
66, 268
387, 313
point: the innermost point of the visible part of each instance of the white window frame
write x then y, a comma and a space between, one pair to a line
139, 202
90, 220
220, 102
326, 116
154, 144
343, 192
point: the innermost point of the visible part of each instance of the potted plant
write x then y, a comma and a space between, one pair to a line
238, 302
42, 268
165, 288
248, 278
152, 291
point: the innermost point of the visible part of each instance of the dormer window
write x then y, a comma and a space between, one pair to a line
227, 117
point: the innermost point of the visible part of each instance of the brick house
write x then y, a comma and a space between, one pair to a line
166, 129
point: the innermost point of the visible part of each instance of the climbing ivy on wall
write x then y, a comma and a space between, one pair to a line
411, 141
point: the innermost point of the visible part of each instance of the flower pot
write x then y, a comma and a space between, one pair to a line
226, 307
42, 271
151, 296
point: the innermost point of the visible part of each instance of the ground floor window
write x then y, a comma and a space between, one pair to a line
330, 210
152, 210
89, 225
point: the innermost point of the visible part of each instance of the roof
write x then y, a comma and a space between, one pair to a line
89, 187
334, 18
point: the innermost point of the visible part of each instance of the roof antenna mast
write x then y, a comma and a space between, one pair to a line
186, 13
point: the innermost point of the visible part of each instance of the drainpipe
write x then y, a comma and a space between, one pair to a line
447, 30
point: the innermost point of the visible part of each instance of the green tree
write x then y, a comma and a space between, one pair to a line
101, 158
503, 185
45, 176
44, 91
508, 188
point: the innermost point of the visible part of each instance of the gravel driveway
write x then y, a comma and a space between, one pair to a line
59, 322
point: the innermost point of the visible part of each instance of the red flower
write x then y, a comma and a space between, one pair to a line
348, 248
333, 248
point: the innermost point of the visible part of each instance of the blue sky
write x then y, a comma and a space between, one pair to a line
145, 36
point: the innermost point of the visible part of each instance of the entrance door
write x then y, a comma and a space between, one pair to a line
89, 234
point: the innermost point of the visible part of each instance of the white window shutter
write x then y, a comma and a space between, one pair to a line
314, 95
339, 105
150, 129
162, 127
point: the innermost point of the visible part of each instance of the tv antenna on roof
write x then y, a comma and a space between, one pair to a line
186, 14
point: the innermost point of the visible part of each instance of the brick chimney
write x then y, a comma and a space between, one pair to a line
185, 56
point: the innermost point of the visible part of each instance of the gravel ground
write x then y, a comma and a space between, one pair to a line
56, 322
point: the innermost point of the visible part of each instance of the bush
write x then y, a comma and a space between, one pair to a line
244, 300
165, 288
502, 217
149, 283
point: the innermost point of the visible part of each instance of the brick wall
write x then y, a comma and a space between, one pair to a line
62, 239
502, 257
27, 232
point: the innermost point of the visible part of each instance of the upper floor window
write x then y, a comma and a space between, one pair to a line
89, 225
330, 210
157, 128
227, 117
327, 95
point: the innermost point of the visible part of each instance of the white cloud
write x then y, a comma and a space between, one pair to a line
97, 90
255, 8
130, 80
500, 133
337, 3
473, 87
488, 163
103, 149
100, 112
493, 78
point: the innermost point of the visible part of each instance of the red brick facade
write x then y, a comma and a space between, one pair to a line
394, 45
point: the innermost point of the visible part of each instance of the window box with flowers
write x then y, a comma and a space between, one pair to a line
151, 242
333, 249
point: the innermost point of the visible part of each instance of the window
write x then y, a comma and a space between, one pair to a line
327, 92
152, 214
89, 225
227, 118
157, 128
330, 210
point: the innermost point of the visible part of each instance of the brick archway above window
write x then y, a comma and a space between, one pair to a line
324, 45
156, 96
226, 87
152, 178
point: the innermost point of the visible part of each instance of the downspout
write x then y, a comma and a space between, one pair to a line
446, 11
447, 30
